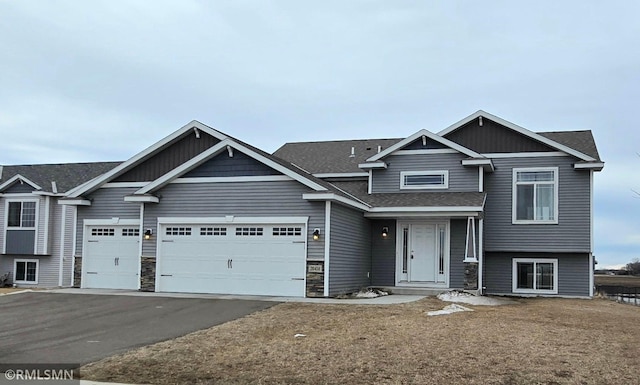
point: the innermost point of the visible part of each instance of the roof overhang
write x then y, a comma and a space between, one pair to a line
595, 166
371, 165
414, 212
486, 164
336, 198
142, 198
75, 202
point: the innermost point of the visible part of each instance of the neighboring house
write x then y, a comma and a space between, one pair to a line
483, 205
36, 233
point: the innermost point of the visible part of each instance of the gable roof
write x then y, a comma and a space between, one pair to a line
332, 156
580, 140
65, 175
430, 135
535, 136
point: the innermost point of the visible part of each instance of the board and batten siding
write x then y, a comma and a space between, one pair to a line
253, 199
224, 166
573, 272
350, 250
571, 234
383, 253
457, 242
461, 178
106, 203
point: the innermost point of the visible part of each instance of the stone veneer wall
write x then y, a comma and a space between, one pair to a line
77, 271
315, 279
148, 274
471, 276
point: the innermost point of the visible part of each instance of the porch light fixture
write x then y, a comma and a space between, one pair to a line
316, 234
148, 233
385, 232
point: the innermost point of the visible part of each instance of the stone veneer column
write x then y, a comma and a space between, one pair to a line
471, 276
77, 271
315, 279
148, 274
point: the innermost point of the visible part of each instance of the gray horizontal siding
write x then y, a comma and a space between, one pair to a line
20, 241
258, 199
225, 166
573, 272
571, 234
457, 242
106, 203
460, 178
383, 253
350, 250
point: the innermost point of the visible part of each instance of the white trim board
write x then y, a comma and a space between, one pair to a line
111, 222
234, 179
336, 198
341, 175
20, 178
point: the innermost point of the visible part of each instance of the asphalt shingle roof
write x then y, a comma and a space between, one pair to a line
66, 175
578, 140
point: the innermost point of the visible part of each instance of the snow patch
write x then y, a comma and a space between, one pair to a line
299, 335
449, 309
462, 297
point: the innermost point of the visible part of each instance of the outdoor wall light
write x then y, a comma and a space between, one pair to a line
148, 233
385, 231
316, 234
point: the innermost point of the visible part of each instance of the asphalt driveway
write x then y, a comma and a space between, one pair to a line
43, 327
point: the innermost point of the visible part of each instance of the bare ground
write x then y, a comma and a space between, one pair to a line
535, 341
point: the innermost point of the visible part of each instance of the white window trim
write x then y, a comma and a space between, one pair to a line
514, 194
514, 276
15, 262
34, 228
444, 173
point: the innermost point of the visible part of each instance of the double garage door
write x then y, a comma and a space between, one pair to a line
249, 259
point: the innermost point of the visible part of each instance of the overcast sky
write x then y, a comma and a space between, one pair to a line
102, 80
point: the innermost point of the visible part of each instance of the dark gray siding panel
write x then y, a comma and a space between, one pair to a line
224, 166
417, 145
571, 234
173, 156
492, 137
457, 242
21, 241
106, 203
350, 250
573, 272
460, 178
256, 199
18, 188
383, 253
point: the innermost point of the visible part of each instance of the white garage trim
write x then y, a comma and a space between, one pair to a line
111, 222
230, 219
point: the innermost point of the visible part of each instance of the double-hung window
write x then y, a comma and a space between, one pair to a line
424, 179
22, 215
21, 221
535, 276
25, 271
535, 195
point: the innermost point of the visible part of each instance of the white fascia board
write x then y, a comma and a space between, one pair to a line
533, 154
414, 214
125, 184
430, 135
596, 166
47, 194
487, 164
136, 159
341, 175
427, 209
74, 202
115, 221
232, 179
335, 198
230, 219
278, 167
518, 129
19, 177
184, 168
372, 165
142, 198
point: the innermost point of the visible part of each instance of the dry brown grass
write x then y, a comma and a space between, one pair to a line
618, 280
5, 290
535, 341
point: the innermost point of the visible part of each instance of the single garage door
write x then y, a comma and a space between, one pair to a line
111, 257
251, 259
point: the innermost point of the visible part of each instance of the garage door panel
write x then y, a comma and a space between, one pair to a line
246, 259
111, 257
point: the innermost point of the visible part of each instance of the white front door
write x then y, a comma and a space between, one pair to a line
423, 253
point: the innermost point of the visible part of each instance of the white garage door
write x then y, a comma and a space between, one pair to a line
254, 259
111, 257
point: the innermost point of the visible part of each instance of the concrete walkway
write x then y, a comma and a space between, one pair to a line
384, 300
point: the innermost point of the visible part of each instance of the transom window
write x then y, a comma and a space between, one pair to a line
25, 271
535, 276
424, 179
22, 214
535, 195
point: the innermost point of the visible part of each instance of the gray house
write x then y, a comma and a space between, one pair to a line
36, 234
483, 205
